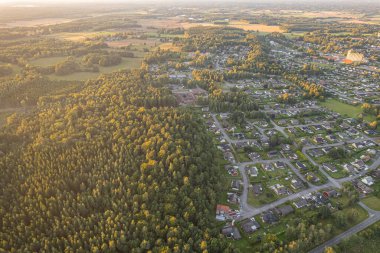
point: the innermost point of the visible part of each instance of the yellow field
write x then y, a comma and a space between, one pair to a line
127, 42
255, 27
238, 24
169, 46
36, 22
321, 14
82, 36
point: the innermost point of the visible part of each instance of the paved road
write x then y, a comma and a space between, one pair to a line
280, 129
290, 109
274, 204
284, 160
332, 180
244, 206
374, 216
336, 144
248, 211
373, 166
311, 124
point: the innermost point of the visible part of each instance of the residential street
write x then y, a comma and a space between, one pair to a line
248, 211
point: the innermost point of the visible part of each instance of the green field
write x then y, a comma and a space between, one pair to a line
372, 202
48, 61
345, 109
127, 63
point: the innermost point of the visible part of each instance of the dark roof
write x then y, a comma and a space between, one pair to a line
231, 231
300, 165
269, 218
257, 189
285, 210
250, 226
300, 203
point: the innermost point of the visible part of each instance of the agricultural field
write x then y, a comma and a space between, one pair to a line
35, 22
238, 24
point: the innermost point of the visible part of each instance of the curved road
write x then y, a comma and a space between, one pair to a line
374, 216
248, 211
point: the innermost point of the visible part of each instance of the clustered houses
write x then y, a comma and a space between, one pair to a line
286, 148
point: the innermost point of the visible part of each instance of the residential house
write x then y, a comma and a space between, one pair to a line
233, 198
231, 231
223, 212
252, 171
368, 180
250, 225
362, 188
300, 203
257, 189
329, 167
235, 185
350, 168
269, 218
296, 184
279, 165
284, 210
279, 189
268, 167
330, 194
310, 176
254, 156
360, 165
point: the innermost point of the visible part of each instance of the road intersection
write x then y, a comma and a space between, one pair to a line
247, 211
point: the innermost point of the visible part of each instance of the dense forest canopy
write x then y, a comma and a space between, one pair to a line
115, 167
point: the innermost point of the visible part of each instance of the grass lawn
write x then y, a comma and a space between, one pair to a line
242, 157
339, 174
345, 109
372, 202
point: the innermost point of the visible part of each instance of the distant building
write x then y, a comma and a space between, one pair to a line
355, 57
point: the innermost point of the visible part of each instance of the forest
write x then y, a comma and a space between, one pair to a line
114, 167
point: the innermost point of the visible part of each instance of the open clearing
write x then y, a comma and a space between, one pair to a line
81, 36
255, 27
372, 202
48, 61
238, 24
321, 14
345, 109
170, 46
175, 23
127, 42
127, 63
36, 22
